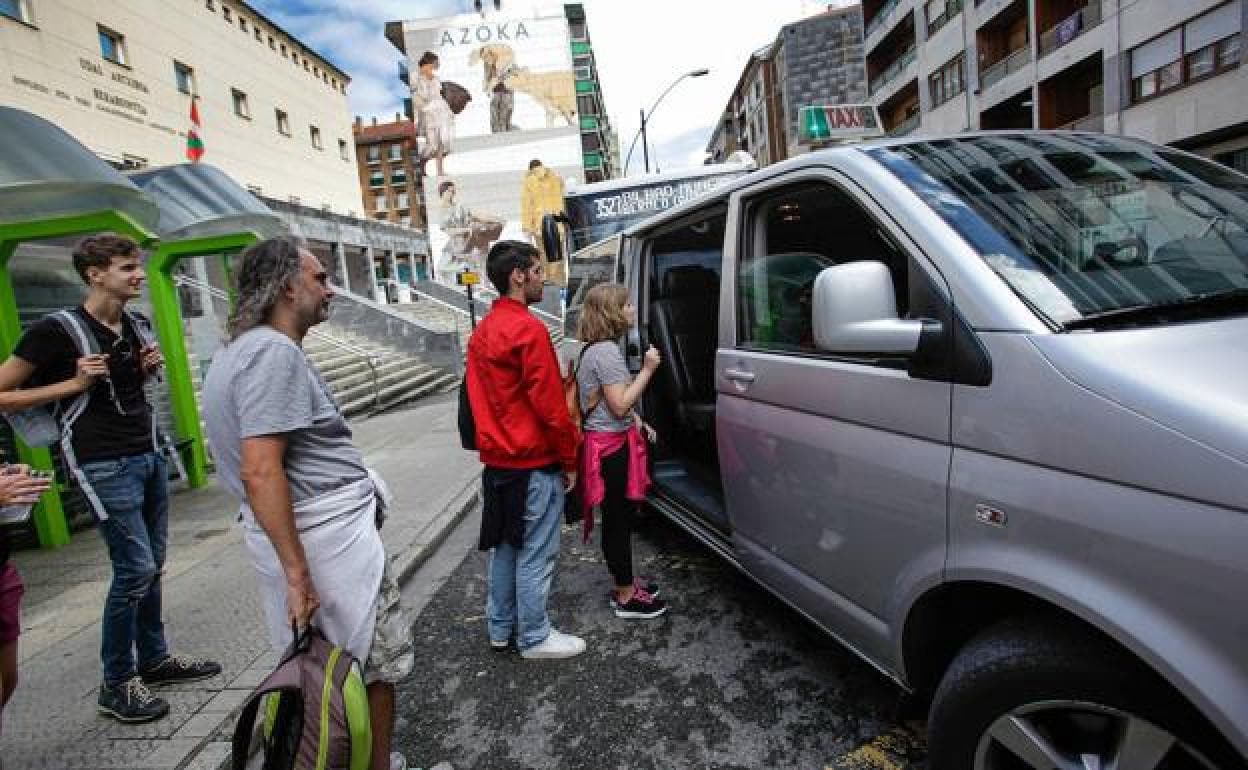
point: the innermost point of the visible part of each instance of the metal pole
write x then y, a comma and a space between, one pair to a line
645, 145
472, 308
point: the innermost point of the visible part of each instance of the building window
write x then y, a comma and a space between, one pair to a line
283, 49
227, 14
342, 149
376, 179
1236, 159
586, 105
210, 5
255, 189
272, 43
400, 201
283, 122
112, 45
241, 107
582, 73
184, 76
379, 202
1203, 47
306, 67
315, 133
15, 9
381, 215
948, 81
259, 34
242, 23
398, 176
374, 153
396, 153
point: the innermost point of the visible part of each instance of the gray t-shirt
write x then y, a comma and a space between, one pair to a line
263, 384
602, 364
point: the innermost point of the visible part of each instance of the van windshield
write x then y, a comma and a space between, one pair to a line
1084, 227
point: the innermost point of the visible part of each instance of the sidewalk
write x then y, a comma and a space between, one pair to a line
210, 608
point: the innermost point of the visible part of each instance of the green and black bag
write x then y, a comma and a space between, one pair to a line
315, 711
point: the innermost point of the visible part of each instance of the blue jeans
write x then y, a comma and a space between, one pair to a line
520, 578
135, 492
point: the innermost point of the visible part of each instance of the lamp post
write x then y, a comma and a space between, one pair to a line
646, 115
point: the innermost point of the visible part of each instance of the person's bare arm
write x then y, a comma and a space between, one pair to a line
15, 371
268, 492
621, 398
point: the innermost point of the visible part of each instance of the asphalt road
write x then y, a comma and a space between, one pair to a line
728, 678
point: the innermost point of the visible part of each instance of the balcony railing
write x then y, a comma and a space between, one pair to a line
906, 126
1071, 27
1007, 66
880, 16
947, 14
1087, 123
890, 74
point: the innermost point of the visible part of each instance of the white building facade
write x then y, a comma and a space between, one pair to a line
120, 77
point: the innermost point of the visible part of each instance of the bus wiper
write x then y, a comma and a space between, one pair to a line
1212, 302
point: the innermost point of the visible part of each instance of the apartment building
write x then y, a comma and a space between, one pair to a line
120, 77
1167, 71
812, 62
389, 169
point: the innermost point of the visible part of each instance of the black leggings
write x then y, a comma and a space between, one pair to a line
617, 517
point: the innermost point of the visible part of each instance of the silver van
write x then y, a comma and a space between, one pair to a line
978, 407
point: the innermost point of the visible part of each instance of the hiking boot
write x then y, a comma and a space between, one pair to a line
556, 645
131, 702
175, 669
640, 605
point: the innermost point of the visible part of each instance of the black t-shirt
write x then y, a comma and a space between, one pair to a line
103, 432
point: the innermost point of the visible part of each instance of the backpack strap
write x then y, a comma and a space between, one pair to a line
596, 396
160, 441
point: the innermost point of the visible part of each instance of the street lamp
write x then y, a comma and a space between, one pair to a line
645, 116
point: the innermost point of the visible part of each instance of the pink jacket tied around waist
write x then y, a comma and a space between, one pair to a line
600, 444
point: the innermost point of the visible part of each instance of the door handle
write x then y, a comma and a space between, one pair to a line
739, 375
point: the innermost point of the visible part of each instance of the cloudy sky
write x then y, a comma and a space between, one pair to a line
641, 46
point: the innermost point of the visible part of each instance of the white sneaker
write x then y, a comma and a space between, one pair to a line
397, 761
556, 645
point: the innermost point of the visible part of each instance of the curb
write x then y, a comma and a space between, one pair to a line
215, 755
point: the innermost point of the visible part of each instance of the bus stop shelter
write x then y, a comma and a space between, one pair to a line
53, 187
203, 212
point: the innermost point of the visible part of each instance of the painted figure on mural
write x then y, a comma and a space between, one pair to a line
469, 234
497, 61
433, 114
554, 92
541, 193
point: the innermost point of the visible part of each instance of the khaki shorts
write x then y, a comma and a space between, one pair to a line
392, 654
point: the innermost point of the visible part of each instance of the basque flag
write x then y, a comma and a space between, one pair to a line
194, 145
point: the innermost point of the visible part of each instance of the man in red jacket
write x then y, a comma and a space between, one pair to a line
528, 445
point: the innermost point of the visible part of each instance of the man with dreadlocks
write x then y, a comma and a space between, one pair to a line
310, 510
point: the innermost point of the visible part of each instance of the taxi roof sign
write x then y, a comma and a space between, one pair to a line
826, 123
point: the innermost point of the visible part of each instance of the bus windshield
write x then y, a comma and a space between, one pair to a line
598, 213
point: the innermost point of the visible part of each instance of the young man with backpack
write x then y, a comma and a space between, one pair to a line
528, 444
90, 362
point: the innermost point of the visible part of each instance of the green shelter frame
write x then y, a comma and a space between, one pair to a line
51, 187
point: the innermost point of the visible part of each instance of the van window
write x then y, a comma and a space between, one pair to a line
696, 246
797, 232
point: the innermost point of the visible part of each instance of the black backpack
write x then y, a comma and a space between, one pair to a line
467, 424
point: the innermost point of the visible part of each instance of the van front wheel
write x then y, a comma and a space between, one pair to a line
1027, 695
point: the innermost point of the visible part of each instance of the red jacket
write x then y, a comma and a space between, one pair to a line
516, 392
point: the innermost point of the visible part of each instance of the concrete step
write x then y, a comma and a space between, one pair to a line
400, 391
365, 389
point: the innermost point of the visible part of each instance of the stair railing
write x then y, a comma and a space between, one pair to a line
369, 357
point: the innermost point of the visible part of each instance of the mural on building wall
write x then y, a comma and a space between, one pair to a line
490, 94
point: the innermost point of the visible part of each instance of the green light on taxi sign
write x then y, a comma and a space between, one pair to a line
823, 123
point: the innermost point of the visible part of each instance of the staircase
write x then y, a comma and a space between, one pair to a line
371, 378
446, 307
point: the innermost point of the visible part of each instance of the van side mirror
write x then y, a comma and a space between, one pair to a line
855, 311
552, 237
